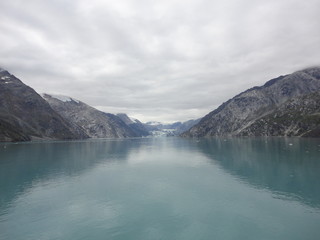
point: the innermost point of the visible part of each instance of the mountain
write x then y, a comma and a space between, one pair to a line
158, 129
171, 129
153, 126
185, 126
137, 127
94, 123
255, 112
25, 115
296, 117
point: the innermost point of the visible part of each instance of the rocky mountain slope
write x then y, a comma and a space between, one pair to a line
250, 112
25, 115
137, 127
296, 117
94, 123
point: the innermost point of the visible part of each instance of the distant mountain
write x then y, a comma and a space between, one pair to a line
137, 127
185, 126
172, 129
94, 123
284, 106
25, 115
153, 126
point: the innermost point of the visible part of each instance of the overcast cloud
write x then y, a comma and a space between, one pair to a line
163, 60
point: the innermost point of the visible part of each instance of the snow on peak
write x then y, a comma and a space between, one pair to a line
133, 119
63, 98
154, 123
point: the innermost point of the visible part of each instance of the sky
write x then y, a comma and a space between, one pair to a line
156, 60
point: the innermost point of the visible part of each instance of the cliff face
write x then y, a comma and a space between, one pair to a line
94, 123
25, 115
240, 115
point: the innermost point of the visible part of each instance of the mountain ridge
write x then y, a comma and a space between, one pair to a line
95, 123
239, 112
25, 116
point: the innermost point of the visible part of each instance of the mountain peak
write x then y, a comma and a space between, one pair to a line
4, 71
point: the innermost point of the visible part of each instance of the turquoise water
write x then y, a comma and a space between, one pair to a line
161, 188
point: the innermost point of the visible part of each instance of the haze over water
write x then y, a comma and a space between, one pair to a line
161, 188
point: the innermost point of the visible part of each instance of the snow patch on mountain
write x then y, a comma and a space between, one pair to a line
6, 79
154, 123
63, 98
133, 119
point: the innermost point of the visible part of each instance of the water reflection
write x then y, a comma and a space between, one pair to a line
166, 188
22, 165
290, 167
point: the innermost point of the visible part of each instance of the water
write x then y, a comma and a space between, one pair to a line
162, 188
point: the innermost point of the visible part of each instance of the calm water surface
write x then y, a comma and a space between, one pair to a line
161, 188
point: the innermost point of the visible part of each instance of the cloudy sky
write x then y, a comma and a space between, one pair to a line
163, 60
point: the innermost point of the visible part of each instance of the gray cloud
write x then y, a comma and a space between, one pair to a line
156, 60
